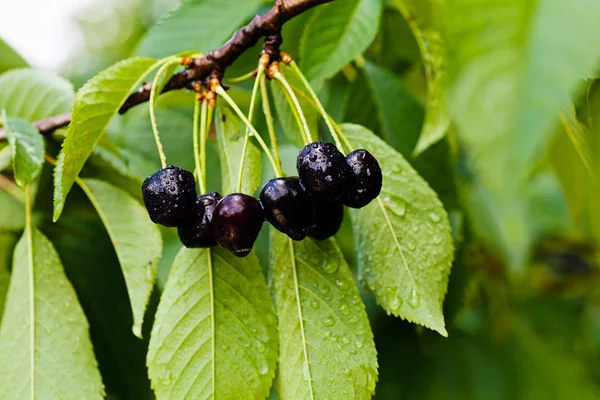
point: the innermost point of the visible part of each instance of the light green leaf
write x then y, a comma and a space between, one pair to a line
327, 349
10, 58
403, 238
95, 105
27, 147
337, 33
7, 244
45, 346
230, 136
5, 158
380, 102
511, 72
33, 94
284, 112
421, 17
215, 329
136, 239
199, 25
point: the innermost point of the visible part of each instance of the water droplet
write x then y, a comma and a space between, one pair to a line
359, 344
328, 321
395, 303
339, 283
397, 207
411, 245
353, 319
371, 380
251, 133
329, 267
345, 340
263, 370
314, 304
165, 377
415, 228
371, 283
225, 347
434, 217
437, 239
260, 347
344, 309
414, 300
324, 290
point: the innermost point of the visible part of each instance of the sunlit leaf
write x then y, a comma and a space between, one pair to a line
10, 58
403, 238
27, 146
230, 136
215, 329
45, 347
95, 105
197, 25
421, 17
337, 33
7, 244
327, 349
137, 241
32, 94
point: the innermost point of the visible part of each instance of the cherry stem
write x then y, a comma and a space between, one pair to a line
295, 106
244, 77
269, 119
221, 92
196, 135
320, 107
153, 93
204, 138
259, 74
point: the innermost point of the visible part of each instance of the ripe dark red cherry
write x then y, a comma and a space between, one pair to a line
323, 170
198, 232
169, 196
328, 219
365, 179
236, 222
288, 206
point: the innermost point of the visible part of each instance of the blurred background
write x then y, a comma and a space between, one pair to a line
525, 332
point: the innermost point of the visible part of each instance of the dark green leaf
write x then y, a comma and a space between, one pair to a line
336, 34
27, 147
197, 25
327, 349
403, 238
95, 105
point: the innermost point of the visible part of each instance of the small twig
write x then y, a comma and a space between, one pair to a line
48, 125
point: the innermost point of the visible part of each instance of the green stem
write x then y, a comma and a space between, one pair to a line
204, 139
261, 70
243, 77
295, 106
319, 105
198, 127
221, 92
153, 94
269, 119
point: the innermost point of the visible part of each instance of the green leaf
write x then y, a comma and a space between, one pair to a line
137, 241
5, 158
33, 94
198, 24
385, 107
284, 112
27, 147
44, 339
421, 17
215, 329
230, 136
12, 212
511, 72
10, 58
95, 105
327, 349
7, 244
403, 238
336, 34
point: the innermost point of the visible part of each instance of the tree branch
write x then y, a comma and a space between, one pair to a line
266, 25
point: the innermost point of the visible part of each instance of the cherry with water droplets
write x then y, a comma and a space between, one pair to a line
198, 232
364, 181
169, 196
323, 170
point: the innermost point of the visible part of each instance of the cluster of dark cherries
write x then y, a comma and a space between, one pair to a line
309, 205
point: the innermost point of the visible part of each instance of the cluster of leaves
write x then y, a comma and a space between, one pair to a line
467, 106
